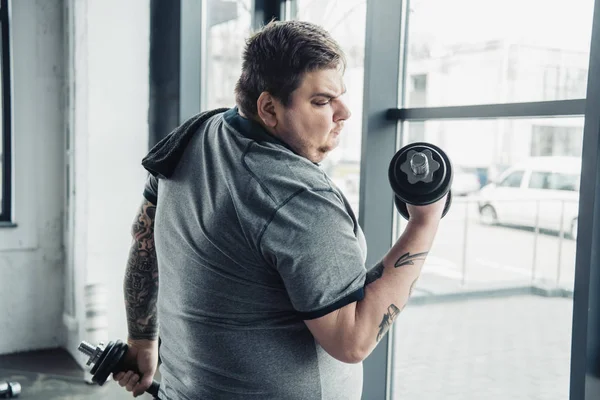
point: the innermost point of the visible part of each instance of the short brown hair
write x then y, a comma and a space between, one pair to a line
277, 57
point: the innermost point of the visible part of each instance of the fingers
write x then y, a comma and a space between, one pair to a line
133, 382
128, 380
118, 376
143, 384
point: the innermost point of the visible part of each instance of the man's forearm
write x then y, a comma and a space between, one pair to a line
390, 283
141, 278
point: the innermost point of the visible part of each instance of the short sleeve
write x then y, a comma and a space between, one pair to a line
312, 242
151, 189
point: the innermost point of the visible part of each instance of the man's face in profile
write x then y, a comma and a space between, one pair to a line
312, 122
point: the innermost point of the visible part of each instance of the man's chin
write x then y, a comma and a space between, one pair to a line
324, 152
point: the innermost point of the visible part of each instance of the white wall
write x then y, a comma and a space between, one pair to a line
31, 255
80, 70
109, 52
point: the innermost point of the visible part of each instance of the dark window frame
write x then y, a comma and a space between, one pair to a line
6, 187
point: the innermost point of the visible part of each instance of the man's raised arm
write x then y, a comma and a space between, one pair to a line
351, 333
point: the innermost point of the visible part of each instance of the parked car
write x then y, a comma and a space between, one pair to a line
464, 182
542, 191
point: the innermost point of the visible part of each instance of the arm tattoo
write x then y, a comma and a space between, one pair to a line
388, 319
392, 313
407, 259
141, 277
374, 273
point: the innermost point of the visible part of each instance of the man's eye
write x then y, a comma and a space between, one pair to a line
322, 103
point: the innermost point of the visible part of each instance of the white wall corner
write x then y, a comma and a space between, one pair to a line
109, 99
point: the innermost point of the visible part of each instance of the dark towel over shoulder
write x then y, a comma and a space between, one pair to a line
163, 158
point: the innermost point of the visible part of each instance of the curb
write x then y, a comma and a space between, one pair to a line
428, 297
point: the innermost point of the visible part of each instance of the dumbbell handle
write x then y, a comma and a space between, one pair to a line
153, 389
154, 386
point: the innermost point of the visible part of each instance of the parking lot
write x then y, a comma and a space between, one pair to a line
467, 251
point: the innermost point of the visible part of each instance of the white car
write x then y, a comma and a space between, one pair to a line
542, 191
464, 182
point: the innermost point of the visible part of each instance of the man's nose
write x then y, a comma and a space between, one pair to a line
343, 112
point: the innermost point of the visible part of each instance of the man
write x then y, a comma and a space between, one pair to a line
264, 292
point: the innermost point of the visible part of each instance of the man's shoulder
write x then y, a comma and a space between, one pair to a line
282, 173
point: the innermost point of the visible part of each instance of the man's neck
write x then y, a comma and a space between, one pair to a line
257, 120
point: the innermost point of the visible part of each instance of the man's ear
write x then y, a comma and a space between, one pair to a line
266, 109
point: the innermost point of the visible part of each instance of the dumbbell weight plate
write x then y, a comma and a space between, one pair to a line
420, 192
108, 361
111, 360
403, 210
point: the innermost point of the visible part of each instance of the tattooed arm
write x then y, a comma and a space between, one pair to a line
141, 277
141, 289
352, 332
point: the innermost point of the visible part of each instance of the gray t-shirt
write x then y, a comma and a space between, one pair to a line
252, 239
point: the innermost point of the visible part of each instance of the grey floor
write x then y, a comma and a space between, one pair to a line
54, 375
515, 347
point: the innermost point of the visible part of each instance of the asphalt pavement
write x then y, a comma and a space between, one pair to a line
469, 253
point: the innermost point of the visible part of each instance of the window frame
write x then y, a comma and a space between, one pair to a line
585, 342
6, 187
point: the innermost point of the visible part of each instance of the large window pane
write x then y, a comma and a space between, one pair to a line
229, 25
345, 20
476, 52
3, 135
511, 228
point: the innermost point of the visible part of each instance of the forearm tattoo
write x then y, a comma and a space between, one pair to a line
141, 277
388, 319
374, 273
407, 259
377, 272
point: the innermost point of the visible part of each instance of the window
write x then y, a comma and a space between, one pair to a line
345, 21
483, 52
471, 254
418, 91
567, 182
5, 124
229, 25
554, 181
419, 82
513, 180
492, 74
556, 140
564, 82
539, 180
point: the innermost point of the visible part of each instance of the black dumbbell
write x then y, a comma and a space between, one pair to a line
9, 390
420, 174
109, 360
